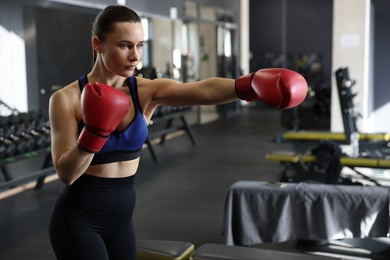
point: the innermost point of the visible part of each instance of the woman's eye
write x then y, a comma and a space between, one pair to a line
130, 46
125, 45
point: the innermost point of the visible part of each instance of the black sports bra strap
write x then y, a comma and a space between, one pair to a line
132, 83
134, 92
83, 80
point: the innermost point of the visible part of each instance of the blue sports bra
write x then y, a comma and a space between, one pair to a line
125, 145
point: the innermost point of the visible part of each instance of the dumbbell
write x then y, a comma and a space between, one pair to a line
26, 142
33, 130
12, 132
7, 148
42, 126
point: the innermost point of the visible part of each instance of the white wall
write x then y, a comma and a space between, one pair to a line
162, 43
13, 87
244, 36
352, 35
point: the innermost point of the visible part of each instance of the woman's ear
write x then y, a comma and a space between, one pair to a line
96, 44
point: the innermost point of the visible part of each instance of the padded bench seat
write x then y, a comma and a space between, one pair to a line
334, 136
225, 252
164, 250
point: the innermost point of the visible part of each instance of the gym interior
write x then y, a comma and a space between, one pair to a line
235, 181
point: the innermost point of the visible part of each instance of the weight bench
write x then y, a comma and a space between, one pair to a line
333, 136
164, 250
304, 140
225, 252
297, 161
345, 161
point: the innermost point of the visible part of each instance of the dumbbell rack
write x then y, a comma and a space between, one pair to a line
27, 135
24, 136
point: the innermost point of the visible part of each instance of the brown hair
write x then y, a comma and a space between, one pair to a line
106, 19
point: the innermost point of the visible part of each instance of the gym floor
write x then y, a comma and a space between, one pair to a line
180, 198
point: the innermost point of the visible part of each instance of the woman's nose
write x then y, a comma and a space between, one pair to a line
134, 54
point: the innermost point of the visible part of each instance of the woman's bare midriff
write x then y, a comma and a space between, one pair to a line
114, 170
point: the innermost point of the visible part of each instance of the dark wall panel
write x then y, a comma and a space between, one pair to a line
265, 30
292, 26
63, 47
381, 53
309, 30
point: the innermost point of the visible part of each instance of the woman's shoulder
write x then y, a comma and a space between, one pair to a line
141, 81
69, 93
66, 102
157, 83
70, 89
144, 85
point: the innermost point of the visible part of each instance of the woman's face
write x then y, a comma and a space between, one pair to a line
122, 49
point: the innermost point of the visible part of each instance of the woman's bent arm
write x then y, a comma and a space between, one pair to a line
69, 160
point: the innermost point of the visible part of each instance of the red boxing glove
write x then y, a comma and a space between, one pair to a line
103, 108
279, 88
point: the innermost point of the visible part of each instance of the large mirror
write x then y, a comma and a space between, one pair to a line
197, 47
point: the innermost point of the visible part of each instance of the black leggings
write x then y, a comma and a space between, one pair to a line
92, 219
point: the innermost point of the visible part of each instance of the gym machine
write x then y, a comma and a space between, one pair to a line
318, 150
370, 144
